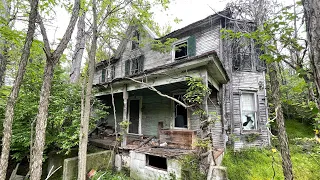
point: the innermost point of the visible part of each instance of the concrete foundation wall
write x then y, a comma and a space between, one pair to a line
97, 161
140, 171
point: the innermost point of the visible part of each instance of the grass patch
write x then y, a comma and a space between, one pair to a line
297, 129
256, 164
109, 175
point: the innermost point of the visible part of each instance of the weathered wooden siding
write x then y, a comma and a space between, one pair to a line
217, 129
243, 81
206, 40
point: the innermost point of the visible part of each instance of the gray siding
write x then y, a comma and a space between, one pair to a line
206, 41
242, 81
217, 128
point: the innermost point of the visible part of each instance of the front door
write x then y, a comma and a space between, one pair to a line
134, 116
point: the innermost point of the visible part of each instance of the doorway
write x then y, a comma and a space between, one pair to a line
180, 113
134, 116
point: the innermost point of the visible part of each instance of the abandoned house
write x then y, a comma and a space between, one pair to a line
138, 78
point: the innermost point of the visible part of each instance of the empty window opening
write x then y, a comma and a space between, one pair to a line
135, 40
181, 50
248, 111
181, 114
157, 162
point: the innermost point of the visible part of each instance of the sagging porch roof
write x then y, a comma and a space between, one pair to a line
164, 74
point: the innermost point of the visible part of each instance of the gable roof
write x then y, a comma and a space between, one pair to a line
175, 34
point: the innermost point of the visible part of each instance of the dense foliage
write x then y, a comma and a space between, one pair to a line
64, 111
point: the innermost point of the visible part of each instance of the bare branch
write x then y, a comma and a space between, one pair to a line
158, 92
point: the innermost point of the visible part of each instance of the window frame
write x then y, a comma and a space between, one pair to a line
178, 42
174, 115
256, 110
139, 68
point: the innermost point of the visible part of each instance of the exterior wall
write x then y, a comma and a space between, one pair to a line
218, 134
206, 40
248, 81
139, 169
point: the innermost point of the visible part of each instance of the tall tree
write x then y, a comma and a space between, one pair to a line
312, 16
52, 58
9, 114
273, 70
78, 52
84, 127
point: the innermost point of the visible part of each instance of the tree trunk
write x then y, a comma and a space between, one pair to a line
3, 65
312, 15
84, 127
283, 139
9, 114
41, 124
41, 119
80, 45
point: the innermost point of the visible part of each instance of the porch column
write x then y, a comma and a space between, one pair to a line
125, 114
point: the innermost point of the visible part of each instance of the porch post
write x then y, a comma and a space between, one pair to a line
125, 114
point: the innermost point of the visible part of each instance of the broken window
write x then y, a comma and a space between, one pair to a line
135, 40
107, 74
181, 50
248, 111
241, 55
156, 162
184, 48
181, 113
134, 66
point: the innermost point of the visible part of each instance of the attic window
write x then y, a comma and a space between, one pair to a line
184, 48
241, 52
135, 40
157, 162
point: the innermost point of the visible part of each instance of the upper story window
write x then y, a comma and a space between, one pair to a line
241, 55
108, 74
249, 111
135, 40
184, 48
134, 66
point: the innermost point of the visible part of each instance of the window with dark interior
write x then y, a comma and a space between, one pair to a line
184, 48
181, 50
135, 40
180, 114
134, 66
157, 162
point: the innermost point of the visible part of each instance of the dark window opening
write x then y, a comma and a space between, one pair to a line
157, 162
181, 114
135, 40
103, 75
181, 50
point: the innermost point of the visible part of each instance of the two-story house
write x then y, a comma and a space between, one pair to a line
231, 71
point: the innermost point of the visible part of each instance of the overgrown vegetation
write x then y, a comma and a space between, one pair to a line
109, 175
257, 163
191, 168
